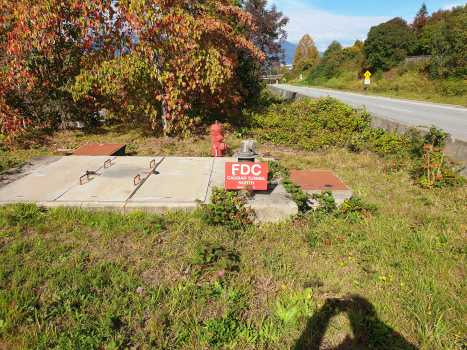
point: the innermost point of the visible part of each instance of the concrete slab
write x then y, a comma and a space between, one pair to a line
115, 184
178, 180
272, 205
316, 181
175, 185
52, 181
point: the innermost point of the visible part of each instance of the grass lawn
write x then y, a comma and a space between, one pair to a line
72, 279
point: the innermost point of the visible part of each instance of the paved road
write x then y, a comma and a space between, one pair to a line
451, 119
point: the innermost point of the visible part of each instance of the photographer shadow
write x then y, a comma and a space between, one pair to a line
368, 331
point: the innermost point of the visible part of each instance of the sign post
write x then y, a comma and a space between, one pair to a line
367, 77
250, 176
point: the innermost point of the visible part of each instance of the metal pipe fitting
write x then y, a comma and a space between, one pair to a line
247, 151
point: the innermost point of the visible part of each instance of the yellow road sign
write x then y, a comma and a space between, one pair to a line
367, 75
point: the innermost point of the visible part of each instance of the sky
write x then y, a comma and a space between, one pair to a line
347, 20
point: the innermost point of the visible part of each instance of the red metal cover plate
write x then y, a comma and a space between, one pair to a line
254, 175
317, 180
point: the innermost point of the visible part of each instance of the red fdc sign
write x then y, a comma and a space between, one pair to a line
252, 176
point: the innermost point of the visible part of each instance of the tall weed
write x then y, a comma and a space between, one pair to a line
430, 166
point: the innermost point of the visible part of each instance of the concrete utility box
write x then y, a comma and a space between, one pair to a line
123, 184
101, 149
321, 180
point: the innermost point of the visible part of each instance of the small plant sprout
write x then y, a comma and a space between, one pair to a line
247, 187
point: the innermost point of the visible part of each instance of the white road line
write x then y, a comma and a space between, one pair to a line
403, 110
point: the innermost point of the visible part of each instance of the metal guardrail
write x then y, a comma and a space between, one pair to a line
423, 58
272, 77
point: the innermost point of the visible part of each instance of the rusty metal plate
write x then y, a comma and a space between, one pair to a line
101, 149
320, 180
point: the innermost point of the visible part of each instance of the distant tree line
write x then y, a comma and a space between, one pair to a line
442, 34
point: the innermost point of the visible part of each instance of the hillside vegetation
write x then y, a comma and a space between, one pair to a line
441, 78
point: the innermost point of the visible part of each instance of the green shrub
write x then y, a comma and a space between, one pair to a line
379, 74
309, 124
228, 209
430, 166
215, 255
379, 141
353, 209
453, 87
387, 142
434, 69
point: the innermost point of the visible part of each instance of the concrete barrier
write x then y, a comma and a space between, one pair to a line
455, 145
294, 96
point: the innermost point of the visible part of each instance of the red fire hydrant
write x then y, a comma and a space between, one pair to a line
217, 145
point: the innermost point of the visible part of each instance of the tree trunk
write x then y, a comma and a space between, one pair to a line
165, 121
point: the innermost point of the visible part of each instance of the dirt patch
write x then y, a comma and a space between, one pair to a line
26, 168
390, 75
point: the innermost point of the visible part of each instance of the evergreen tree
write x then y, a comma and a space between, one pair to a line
420, 19
422, 10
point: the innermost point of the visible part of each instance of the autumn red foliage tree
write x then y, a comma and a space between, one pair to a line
147, 59
43, 43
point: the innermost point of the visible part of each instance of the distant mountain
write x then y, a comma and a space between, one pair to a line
289, 51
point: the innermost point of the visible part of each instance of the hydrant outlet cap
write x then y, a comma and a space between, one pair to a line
216, 128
